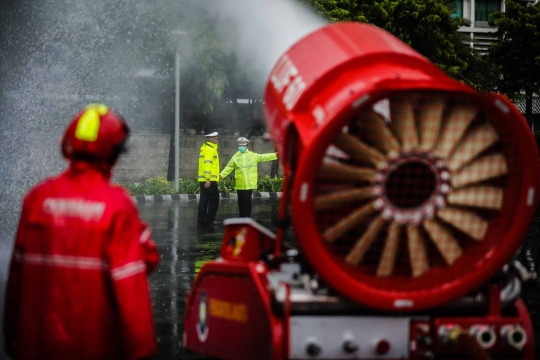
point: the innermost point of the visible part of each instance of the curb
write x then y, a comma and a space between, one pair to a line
195, 197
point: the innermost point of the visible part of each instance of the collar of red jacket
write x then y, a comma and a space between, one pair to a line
101, 168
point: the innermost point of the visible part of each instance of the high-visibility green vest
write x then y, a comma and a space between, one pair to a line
245, 168
208, 162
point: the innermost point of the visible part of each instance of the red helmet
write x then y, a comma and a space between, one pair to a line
96, 133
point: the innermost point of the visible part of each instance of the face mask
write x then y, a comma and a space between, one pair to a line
242, 149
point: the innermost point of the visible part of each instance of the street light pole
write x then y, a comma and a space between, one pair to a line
177, 119
177, 34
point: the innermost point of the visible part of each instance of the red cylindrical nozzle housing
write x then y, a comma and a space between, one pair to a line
410, 189
341, 64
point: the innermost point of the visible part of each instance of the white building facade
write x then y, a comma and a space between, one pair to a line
478, 12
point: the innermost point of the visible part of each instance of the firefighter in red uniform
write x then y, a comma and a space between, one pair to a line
77, 286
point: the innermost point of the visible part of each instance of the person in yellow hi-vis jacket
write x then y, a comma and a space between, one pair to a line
245, 164
208, 181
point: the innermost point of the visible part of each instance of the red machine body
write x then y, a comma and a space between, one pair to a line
408, 192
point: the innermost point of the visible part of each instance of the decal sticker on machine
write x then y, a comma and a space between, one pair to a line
286, 75
239, 241
319, 114
530, 196
228, 310
202, 323
502, 106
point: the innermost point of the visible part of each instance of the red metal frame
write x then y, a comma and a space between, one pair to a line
243, 241
263, 331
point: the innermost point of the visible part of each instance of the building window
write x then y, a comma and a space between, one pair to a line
484, 8
458, 11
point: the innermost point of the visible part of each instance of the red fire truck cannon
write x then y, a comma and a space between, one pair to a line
408, 194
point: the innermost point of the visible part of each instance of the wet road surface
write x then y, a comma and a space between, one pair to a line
184, 249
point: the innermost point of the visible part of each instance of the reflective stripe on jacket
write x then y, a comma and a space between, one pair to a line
208, 162
245, 168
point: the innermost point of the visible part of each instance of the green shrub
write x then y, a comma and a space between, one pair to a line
161, 186
268, 184
187, 186
154, 186
227, 185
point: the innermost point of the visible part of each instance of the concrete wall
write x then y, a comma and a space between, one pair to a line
148, 156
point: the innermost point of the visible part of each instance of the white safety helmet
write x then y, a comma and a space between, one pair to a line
242, 141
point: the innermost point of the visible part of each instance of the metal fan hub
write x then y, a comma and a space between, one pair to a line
411, 186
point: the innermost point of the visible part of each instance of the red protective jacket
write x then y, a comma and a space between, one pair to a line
77, 286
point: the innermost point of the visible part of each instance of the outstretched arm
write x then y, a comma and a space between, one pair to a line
267, 157
228, 168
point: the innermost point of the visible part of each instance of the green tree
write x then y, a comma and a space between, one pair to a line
516, 53
211, 71
204, 78
425, 25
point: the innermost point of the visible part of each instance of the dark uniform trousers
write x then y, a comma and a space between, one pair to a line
244, 202
208, 203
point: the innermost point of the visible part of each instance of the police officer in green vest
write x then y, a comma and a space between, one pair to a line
245, 163
208, 181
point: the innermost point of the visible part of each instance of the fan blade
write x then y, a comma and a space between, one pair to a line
403, 123
347, 223
484, 168
473, 144
455, 126
356, 255
358, 150
337, 171
442, 237
388, 258
338, 198
334, 154
429, 121
377, 132
417, 251
487, 197
466, 221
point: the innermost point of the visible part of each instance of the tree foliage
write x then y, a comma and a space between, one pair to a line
208, 62
205, 78
425, 25
516, 53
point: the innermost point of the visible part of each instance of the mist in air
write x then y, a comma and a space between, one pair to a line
266, 28
57, 56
